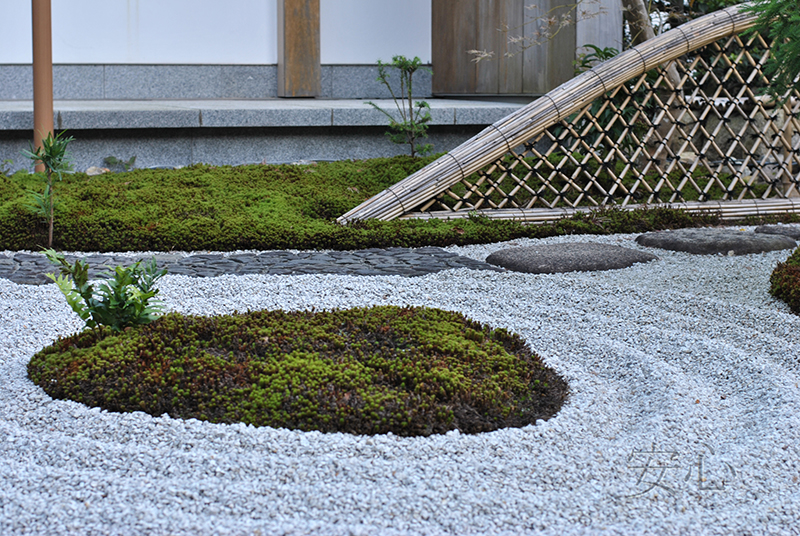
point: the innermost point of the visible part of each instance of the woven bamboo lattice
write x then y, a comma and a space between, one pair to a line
623, 134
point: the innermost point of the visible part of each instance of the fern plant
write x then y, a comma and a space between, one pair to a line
121, 301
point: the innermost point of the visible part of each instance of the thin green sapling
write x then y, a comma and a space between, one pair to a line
56, 160
412, 123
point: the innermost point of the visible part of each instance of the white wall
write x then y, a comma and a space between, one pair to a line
148, 31
214, 31
363, 31
16, 40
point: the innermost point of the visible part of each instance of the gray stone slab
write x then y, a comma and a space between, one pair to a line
128, 119
167, 82
248, 82
78, 82
266, 117
715, 241
16, 120
574, 257
792, 231
364, 116
326, 81
360, 82
126, 81
483, 115
16, 82
216, 113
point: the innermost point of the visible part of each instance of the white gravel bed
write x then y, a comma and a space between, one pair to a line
682, 418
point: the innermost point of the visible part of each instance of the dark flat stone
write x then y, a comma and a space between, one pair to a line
274, 257
28, 257
30, 279
792, 231
574, 257
248, 269
280, 271
181, 270
167, 258
715, 241
29, 268
207, 256
244, 258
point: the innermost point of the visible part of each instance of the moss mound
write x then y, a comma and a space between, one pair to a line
785, 281
410, 371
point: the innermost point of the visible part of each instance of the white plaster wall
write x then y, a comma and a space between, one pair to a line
148, 31
214, 31
363, 31
16, 40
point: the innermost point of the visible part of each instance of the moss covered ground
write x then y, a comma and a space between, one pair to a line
225, 208
409, 371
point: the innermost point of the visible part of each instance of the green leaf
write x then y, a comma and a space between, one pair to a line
73, 298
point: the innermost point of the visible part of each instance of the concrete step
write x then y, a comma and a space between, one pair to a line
137, 114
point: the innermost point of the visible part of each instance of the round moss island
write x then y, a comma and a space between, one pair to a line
785, 281
411, 371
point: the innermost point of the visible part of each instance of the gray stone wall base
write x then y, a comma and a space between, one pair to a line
230, 146
110, 82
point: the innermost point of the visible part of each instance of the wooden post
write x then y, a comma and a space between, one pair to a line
42, 74
299, 69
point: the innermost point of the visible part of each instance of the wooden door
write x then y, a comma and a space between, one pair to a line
541, 62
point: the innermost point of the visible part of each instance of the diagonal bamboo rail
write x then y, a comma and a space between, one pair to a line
532, 120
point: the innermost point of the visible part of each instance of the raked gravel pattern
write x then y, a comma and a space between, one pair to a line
682, 417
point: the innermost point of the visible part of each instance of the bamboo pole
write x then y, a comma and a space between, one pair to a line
727, 210
42, 74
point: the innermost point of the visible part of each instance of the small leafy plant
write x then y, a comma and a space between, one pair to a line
122, 301
587, 60
412, 123
117, 163
55, 158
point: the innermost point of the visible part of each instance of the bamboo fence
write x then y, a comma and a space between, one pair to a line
621, 135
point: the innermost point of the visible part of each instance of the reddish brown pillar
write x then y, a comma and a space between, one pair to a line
42, 74
299, 70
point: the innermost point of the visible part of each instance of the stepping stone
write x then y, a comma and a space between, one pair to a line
792, 231
715, 241
574, 257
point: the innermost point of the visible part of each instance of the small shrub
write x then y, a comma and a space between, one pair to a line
411, 371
